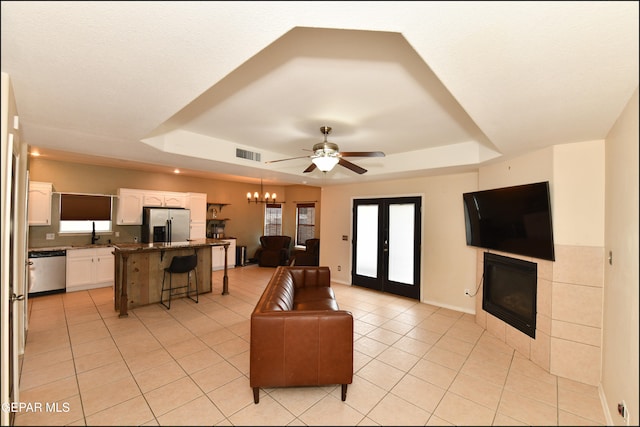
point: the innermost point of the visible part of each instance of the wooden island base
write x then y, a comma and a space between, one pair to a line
141, 268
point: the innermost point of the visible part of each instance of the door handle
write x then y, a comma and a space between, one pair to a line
15, 297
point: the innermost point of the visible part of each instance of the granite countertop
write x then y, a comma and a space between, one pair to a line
130, 247
69, 247
133, 247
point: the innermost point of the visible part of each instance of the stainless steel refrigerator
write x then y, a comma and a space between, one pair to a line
165, 225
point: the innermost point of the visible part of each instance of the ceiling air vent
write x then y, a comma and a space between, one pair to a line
246, 154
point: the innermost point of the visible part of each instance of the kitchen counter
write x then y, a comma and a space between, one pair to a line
140, 267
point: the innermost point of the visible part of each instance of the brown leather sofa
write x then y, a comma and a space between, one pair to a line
299, 336
273, 251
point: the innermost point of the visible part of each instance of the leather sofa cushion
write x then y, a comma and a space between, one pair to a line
321, 298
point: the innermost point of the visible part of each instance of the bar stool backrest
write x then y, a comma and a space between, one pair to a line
183, 264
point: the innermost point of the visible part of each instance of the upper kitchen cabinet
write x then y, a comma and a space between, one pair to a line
165, 199
130, 202
39, 203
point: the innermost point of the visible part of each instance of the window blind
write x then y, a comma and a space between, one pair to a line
80, 207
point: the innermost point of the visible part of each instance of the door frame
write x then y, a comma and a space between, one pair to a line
382, 282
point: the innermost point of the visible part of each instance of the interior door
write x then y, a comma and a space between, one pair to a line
386, 245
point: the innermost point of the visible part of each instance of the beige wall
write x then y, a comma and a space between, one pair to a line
620, 312
447, 263
245, 220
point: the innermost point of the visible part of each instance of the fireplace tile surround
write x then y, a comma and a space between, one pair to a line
569, 314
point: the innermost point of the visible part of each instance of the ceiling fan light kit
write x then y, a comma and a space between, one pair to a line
327, 154
325, 163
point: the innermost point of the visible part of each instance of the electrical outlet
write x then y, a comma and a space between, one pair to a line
339, 268
51, 236
467, 292
117, 234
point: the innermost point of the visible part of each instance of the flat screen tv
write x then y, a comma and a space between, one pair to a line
511, 219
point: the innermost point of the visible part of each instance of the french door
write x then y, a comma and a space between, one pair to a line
386, 245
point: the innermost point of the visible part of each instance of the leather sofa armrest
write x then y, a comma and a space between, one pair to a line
301, 348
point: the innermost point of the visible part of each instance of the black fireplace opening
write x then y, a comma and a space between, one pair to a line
509, 293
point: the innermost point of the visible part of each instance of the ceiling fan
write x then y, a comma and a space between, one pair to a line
326, 155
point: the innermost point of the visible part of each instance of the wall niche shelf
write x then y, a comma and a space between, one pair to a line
215, 221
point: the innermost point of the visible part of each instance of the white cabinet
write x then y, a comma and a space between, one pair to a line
217, 255
165, 199
89, 268
39, 203
197, 204
130, 202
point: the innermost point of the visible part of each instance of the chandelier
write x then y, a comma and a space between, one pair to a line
268, 197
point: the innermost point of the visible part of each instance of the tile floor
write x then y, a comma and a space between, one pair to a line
414, 364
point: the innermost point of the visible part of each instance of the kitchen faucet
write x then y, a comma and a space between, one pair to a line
94, 238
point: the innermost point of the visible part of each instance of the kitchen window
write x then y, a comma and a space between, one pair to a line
80, 213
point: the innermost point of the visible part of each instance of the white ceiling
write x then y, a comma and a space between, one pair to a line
437, 86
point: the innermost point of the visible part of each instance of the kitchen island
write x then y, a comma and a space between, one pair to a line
139, 269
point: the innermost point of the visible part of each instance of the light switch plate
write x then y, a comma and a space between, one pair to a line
51, 236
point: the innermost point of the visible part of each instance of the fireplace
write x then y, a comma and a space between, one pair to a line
510, 287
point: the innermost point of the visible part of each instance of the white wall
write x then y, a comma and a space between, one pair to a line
447, 263
620, 312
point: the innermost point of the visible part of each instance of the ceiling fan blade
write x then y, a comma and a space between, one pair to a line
347, 164
290, 158
362, 154
311, 168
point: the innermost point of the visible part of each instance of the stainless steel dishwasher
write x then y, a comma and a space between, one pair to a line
47, 272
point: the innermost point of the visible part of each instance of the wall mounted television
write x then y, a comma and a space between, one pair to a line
511, 219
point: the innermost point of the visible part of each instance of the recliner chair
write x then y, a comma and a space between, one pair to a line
310, 256
274, 251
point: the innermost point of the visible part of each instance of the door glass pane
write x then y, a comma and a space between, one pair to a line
367, 247
401, 228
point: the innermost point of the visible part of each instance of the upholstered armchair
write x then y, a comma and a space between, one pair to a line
273, 251
310, 256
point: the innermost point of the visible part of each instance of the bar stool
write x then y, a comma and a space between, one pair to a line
180, 265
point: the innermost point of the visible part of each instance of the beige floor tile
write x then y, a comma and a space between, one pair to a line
419, 392
96, 360
478, 390
159, 376
412, 346
199, 412
198, 361
398, 358
51, 392
529, 411
40, 376
369, 346
297, 400
330, 411
100, 398
463, 412
445, 358
267, 412
381, 374
102, 375
215, 376
173, 395
52, 413
393, 410
133, 412
532, 388
363, 395
185, 347
233, 396
434, 373
190, 366
384, 336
